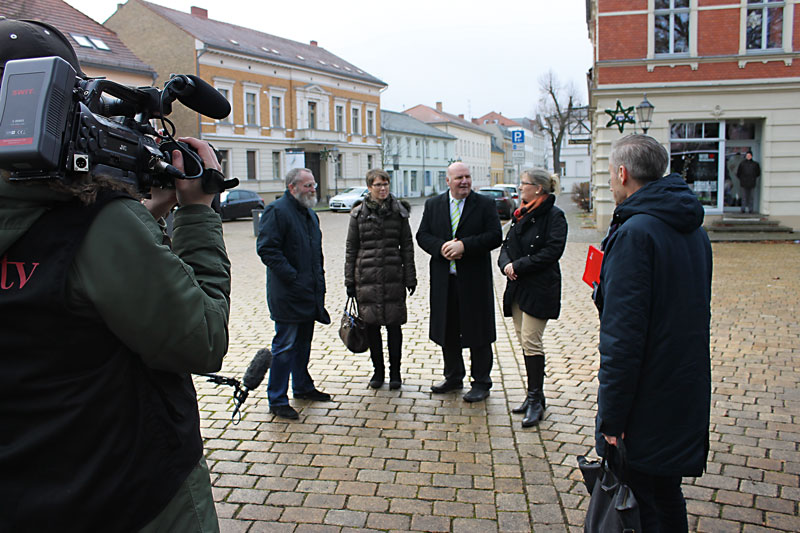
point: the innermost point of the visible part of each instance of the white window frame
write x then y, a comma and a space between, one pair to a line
226, 85
279, 161
671, 11
764, 6
372, 129
312, 104
256, 164
355, 121
278, 92
339, 105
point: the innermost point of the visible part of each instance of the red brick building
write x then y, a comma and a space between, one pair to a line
724, 78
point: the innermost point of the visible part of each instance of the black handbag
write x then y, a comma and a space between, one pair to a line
352, 330
613, 507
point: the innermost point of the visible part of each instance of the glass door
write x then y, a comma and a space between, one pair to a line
741, 136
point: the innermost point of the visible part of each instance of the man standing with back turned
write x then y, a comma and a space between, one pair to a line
290, 244
654, 300
458, 229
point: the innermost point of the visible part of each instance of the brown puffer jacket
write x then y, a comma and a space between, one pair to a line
379, 260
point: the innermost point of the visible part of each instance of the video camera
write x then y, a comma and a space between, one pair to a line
56, 125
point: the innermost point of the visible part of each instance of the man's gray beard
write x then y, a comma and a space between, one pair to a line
306, 200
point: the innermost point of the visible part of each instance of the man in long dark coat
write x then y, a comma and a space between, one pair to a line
459, 228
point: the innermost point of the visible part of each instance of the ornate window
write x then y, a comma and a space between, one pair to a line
671, 26
764, 24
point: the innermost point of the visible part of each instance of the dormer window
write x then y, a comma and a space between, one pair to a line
86, 41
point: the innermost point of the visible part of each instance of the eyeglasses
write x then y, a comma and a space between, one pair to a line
521, 183
312, 185
383, 185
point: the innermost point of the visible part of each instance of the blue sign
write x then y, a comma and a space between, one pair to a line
518, 136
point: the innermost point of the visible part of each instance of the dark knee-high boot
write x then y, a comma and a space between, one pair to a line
536, 404
524, 405
395, 341
376, 354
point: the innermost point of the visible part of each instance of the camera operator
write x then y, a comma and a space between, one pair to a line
101, 324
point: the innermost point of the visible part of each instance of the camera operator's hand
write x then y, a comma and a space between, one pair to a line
160, 201
191, 191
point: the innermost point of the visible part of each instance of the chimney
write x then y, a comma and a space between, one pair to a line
199, 12
439, 106
313, 43
461, 116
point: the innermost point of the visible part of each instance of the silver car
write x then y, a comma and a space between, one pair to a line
348, 199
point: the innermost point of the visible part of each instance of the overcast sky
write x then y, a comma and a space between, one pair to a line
475, 56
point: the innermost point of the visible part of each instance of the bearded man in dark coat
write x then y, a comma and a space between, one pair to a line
459, 229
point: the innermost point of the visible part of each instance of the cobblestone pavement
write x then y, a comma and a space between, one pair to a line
411, 461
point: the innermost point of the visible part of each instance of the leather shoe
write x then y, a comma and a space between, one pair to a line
476, 395
314, 395
446, 386
284, 411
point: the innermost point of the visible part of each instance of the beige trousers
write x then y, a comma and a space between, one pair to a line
529, 331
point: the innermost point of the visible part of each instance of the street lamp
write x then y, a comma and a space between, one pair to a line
335, 154
645, 113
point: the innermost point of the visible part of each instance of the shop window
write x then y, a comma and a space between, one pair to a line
671, 32
764, 24
744, 131
694, 154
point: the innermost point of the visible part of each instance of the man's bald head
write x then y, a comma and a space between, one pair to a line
459, 180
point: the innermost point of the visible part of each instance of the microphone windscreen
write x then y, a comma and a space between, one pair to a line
257, 369
205, 99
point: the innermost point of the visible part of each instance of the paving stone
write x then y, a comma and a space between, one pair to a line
409, 460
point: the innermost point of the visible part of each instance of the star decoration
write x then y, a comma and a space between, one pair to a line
620, 116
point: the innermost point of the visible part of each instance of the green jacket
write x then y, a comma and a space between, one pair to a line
169, 306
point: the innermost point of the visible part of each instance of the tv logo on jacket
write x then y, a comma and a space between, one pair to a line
8, 279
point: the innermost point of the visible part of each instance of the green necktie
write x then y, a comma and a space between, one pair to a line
455, 217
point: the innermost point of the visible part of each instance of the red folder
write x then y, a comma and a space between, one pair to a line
594, 260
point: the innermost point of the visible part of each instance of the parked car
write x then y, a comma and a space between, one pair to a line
512, 190
348, 199
502, 199
237, 203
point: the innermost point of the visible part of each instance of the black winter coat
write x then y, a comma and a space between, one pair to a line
290, 244
479, 230
379, 260
654, 300
534, 245
748, 173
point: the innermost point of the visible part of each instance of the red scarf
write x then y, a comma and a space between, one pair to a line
530, 206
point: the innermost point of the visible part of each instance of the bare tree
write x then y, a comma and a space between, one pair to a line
557, 103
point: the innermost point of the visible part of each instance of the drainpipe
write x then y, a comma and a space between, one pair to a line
197, 73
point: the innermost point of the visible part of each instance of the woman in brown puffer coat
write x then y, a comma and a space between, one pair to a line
379, 269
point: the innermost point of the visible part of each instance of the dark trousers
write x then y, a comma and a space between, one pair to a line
747, 199
480, 356
661, 504
394, 340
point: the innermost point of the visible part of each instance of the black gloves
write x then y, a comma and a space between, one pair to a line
351, 291
411, 290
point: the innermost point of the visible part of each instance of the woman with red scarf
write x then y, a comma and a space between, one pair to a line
529, 259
